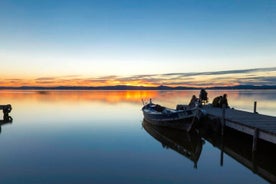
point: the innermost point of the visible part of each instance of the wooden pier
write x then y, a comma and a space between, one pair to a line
258, 125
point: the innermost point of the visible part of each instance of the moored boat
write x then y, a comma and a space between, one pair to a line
180, 118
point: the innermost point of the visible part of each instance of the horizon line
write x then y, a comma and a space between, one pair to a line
133, 87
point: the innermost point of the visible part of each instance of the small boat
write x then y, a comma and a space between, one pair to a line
182, 117
188, 144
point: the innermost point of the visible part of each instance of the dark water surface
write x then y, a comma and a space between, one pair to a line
100, 137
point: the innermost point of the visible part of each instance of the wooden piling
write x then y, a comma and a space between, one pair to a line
221, 151
223, 120
255, 107
221, 158
255, 140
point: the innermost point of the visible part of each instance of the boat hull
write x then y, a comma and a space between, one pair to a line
183, 120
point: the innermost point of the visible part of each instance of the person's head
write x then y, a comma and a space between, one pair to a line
225, 95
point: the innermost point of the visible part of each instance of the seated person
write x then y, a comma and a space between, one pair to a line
203, 96
224, 102
216, 101
220, 101
193, 101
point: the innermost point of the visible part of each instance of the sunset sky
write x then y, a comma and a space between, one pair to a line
137, 42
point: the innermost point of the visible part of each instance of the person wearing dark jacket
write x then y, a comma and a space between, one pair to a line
203, 98
216, 101
224, 102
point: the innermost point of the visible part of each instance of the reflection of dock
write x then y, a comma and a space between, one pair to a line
187, 144
257, 125
238, 146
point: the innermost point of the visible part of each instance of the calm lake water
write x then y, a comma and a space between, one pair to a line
100, 137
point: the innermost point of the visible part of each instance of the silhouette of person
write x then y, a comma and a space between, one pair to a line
224, 102
193, 101
203, 96
216, 101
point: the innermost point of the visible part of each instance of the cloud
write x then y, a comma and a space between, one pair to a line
14, 79
255, 76
45, 78
224, 72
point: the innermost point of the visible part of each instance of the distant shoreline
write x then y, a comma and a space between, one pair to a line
124, 87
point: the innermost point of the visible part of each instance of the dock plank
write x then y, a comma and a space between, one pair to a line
246, 122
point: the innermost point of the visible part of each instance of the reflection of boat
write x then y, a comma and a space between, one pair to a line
187, 144
183, 118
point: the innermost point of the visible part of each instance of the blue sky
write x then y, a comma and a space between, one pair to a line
100, 38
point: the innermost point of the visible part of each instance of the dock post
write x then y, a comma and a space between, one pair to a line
221, 151
255, 140
221, 157
255, 166
255, 106
223, 120
222, 134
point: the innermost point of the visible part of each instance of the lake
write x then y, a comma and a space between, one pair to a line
100, 137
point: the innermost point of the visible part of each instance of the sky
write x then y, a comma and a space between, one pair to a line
137, 42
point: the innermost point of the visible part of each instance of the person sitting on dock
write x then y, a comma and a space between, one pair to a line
216, 101
203, 99
224, 102
193, 101
220, 101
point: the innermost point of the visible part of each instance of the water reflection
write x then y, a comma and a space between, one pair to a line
6, 120
48, 96
187, 144
43, 92
236, 145
239, 99
239, 147
96, 135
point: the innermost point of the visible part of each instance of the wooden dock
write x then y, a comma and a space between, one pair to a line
258, 125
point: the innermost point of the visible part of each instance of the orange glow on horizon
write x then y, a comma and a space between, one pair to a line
199, 80
168, 98
85, 83
111, 97
72, 82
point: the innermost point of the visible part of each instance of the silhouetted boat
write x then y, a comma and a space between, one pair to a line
187, 144
183, 118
